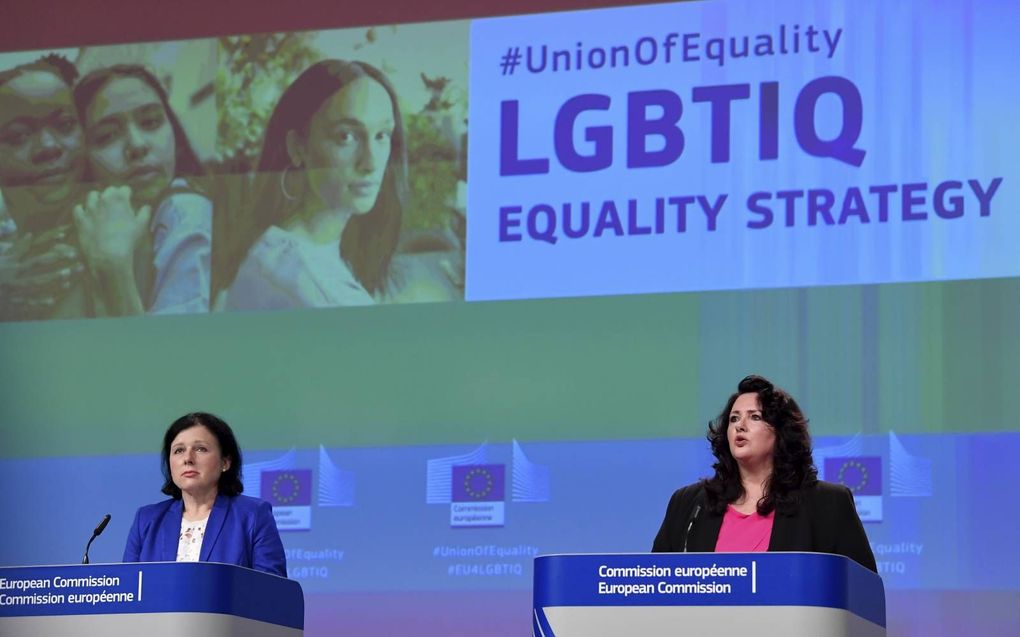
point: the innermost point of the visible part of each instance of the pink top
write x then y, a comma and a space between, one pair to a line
744, 533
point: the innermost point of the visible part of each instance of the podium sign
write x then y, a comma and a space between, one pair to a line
153, 599
725, 594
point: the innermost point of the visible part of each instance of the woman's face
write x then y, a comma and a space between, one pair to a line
130, 139
347, 148
41, 156
196, 461
752, 440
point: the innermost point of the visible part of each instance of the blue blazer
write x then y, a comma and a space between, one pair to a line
241, 530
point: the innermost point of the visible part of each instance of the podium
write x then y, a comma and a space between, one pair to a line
155, 599
725, 594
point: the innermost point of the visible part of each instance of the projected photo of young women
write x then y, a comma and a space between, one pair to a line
103, 210
246, 172
145, 229
327, 223
330, 192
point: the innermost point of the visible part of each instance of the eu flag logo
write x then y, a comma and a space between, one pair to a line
290, 487
478, 483
863, 476
290, 493
477, 495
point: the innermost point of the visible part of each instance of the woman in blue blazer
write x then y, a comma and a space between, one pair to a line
207, 519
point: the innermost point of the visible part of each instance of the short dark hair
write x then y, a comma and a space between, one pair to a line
56, 64
230, 480
792, 464
36, 216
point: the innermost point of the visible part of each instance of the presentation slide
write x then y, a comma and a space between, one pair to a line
574, 232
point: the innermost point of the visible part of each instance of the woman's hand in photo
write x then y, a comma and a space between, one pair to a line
109, 229
36, 273
109, 232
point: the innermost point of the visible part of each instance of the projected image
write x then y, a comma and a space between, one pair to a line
350, 146
289, 170
106, 201
148, 234
40, 268
418, 456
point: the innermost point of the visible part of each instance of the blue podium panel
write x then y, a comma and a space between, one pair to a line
153, 599
726, 594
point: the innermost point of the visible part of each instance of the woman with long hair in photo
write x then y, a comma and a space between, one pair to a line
329, 195
146, 231
765, 494
41, 162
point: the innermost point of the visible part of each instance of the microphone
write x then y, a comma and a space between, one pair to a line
99, 530
690, 524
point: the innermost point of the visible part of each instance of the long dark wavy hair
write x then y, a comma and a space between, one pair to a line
793, 467
368, 241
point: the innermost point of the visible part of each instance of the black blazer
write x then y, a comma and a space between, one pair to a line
825, 522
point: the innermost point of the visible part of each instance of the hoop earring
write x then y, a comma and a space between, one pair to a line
283, 185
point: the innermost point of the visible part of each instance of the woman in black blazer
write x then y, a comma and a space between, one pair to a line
765, 494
